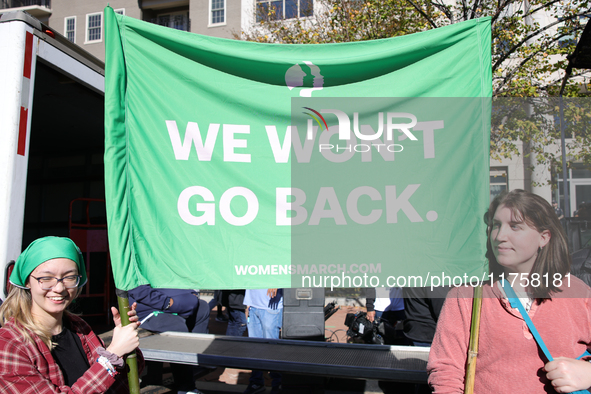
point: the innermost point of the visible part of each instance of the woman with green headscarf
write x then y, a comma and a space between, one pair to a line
45, 349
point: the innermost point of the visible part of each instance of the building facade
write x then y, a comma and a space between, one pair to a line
82, 22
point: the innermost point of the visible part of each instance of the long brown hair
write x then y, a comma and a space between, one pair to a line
554, 258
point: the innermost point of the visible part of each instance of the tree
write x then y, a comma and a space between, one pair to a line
537, 121
336, 21
530, 41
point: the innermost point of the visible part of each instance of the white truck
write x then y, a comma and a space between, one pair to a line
51, 96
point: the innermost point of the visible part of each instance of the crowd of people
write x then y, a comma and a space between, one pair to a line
534, 334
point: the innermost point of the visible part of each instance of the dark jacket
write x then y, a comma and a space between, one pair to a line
185, 302
370, 299
422, 307
233, 299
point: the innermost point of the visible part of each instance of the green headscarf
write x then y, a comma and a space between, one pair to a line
41, 250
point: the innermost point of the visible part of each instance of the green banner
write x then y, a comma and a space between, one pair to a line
228, 163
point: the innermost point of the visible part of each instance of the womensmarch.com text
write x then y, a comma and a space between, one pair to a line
308, 269
335, 276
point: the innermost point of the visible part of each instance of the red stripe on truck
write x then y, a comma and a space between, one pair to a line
22, 124
22, 132
28, 56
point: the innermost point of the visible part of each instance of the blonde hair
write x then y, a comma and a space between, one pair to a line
17, 307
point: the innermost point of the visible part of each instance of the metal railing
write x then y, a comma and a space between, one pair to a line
4, 4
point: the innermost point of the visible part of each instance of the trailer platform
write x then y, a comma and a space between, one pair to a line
395, 363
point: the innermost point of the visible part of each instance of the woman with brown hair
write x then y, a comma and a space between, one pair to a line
528, 249
43, 347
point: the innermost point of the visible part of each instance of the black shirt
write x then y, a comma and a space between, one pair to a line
422, 307
69, 355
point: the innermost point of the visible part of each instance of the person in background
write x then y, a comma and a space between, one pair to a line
178, 310
44, 348
217, 303
370, 300
581, 265
389, 308
557, 210
233, 300
422, 306
264, 319
386, 309
581, 206
584, 212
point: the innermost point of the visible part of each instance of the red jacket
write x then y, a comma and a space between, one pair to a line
30, 368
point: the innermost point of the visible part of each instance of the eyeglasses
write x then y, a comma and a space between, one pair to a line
49, 282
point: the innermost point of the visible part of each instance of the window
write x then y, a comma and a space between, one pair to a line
218, 12
94, 27
120, 11
498, 181
70, 28
174, 20
284, 9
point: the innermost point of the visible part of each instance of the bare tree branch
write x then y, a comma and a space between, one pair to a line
504, 57
541, 7
443, 8
464, 10
474, 8
424, 14
523, 62
501, 7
